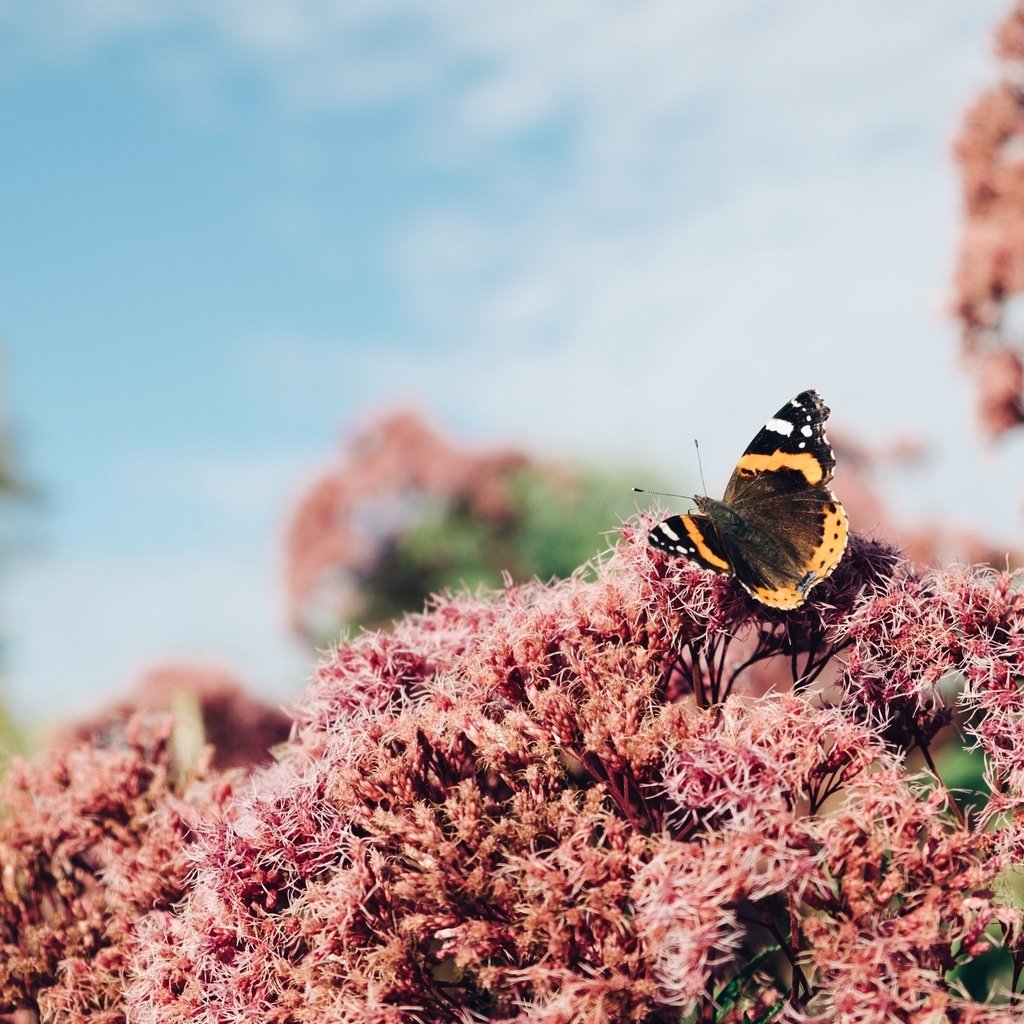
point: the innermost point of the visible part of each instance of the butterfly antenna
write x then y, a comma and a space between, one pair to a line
700, 468
664, 494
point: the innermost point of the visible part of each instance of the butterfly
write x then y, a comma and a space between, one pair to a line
778, 529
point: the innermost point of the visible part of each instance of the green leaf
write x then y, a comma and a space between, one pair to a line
769, 1014
727, 998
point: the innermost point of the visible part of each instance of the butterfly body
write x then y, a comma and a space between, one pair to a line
778, 529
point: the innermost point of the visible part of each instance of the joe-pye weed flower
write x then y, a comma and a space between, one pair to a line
564, 802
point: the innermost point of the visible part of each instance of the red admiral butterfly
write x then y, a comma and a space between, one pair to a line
779, 529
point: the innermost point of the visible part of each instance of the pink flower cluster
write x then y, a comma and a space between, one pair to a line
94, 838
240, 729
990, 275
635, 795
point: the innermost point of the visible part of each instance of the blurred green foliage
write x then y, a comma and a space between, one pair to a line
553, 525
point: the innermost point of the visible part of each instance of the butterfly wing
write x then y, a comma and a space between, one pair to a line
791, 543
789, 454
692, 536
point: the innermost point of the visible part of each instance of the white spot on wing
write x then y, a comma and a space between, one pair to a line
779, 426
671, 534
806, 430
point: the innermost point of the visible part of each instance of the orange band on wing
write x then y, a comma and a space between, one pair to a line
697, 538
835, 534
779, 597
802, 462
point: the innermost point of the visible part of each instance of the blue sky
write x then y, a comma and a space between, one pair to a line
229, 228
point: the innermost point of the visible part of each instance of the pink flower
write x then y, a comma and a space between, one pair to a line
523, 821
93, 838
990, 274
631, 795
240, 729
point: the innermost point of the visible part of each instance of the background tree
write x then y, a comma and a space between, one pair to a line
405, 513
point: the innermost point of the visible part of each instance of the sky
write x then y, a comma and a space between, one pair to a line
231, 229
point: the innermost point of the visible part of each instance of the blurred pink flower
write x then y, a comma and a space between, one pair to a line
990, 273
241, 729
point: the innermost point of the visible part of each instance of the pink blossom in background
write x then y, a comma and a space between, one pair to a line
990, 272
937, 541
241, 730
